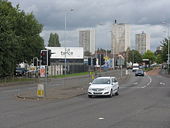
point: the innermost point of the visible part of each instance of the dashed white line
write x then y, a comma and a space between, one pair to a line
150, 81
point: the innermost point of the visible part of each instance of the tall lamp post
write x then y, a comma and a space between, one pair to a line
106, 39
65, 28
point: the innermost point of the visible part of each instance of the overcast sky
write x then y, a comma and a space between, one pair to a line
142, 15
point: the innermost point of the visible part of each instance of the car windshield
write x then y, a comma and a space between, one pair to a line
101, 81
139, 71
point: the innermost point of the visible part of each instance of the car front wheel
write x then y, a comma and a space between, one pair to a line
111, 93
117, 93
90, 96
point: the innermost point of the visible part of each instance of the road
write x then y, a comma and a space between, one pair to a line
144, 102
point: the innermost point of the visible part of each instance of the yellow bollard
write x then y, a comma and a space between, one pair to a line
40, 90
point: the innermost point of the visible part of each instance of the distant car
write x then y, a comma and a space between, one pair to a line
135, 67
139, 72
20, 71
103, 86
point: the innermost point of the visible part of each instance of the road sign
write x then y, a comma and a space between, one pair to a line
145, 59
42, 71
120, 62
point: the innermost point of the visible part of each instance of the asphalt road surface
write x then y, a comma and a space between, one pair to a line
144, 102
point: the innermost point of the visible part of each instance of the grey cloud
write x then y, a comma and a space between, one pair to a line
89, 13
143, 15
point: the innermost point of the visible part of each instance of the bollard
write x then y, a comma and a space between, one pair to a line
127, 72
40, 90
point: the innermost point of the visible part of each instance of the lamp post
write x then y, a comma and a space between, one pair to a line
112, 51
101, 24
65, 28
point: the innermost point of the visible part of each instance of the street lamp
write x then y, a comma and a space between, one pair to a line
65, 27
168, 60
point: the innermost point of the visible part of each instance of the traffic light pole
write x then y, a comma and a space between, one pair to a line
45, 61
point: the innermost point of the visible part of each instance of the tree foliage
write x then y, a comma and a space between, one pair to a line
149, 55
164, 53
54, 40
134, 56
159, 59
19, 37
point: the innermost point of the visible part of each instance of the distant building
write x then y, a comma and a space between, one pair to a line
87, 40
142, 42
158, 50
120, 37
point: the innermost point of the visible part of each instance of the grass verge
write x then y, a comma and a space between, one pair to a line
11, 80
70, 75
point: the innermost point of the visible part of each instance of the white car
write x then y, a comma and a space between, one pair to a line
103, 86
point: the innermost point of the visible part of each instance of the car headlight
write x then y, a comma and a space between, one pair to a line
107, 88
89, 89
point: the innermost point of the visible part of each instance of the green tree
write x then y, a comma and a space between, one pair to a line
127, 54
54, 40
134, 56
159, 59
31, 43
164, 45
149, 55
19, 37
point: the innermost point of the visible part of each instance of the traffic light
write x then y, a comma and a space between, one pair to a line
89, 61
102, 60
49, 56
94, 61
44, 59
35, 61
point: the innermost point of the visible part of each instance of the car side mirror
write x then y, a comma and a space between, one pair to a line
90, 83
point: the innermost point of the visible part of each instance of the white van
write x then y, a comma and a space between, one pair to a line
135, 67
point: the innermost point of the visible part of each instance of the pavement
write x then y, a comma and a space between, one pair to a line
154, 72
64, 88
164, 73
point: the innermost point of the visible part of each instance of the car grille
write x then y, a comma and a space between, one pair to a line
97, 93
97, 89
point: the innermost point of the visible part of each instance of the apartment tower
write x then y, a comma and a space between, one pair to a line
142, 42
120, 37
87, 40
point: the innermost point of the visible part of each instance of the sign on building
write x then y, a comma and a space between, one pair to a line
66, 52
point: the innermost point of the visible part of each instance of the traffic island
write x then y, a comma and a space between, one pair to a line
72, 87
53, 94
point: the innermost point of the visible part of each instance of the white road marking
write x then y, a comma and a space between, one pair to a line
161, 83
150, 81
101, 118
135, 83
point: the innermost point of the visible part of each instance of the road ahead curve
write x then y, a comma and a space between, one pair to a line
144, 102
